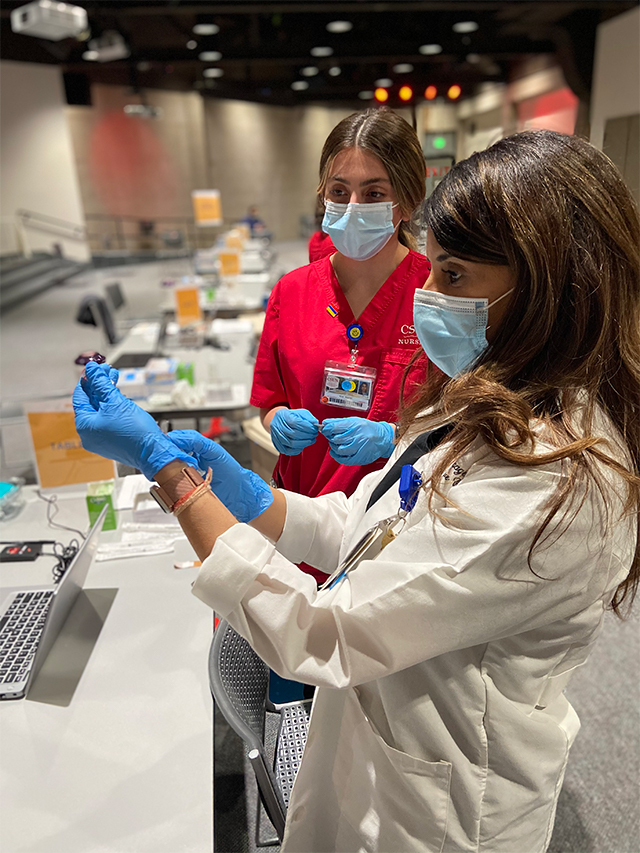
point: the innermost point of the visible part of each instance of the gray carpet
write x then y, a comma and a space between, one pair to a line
599, 806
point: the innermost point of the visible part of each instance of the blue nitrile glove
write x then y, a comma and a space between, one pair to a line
243, 493
357, 441
109, 371
111, 425
293, 429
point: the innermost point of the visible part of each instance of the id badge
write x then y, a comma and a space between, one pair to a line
349, 386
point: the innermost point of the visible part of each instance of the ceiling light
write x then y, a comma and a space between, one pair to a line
430, 93
430, 49
384, 83
465, 27
335, 71
403, 68
321, 51
454, 92
90, 55
473, 58
339, 26
299, 85
210, 56
212, 72
366, 95
192, 44
405, 93
381, 95
309, 71
206, 29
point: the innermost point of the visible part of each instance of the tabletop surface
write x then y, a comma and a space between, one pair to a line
116, 754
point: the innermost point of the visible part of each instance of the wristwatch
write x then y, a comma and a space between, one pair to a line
179, 486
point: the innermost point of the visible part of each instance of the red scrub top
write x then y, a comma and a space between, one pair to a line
320, 245
300, 335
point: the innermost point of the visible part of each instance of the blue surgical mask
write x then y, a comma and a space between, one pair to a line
359, 231
451, 329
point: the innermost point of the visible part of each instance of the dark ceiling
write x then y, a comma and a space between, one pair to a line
265, 46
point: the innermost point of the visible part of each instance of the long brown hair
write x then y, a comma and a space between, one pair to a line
395, 143
557, 212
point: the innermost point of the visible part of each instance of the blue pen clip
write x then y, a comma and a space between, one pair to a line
409, 488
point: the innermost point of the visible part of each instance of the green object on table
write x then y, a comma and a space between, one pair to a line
99, 494
210, 295
185, 371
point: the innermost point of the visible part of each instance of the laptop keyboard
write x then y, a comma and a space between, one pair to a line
20, 630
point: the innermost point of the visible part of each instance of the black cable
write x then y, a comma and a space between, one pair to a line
52, 505
64, 555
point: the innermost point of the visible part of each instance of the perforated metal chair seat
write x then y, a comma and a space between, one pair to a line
292, 738
239, 682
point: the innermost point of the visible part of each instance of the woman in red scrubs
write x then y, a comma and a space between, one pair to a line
352, 309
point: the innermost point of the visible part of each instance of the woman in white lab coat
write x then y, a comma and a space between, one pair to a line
440, 722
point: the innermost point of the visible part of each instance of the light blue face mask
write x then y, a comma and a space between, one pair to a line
359, 231
451, 329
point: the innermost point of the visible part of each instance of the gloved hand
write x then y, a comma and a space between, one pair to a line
243, 493
357, 441
109, 371
293, 429
111, 425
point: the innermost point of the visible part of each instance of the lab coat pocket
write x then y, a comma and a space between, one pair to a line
392, 801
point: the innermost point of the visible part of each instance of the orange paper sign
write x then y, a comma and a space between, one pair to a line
188, 306
207, 209
234, 240
229, 262
60, 458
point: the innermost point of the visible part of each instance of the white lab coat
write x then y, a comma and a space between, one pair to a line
440, 722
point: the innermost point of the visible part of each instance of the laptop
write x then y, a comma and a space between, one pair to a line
31, 619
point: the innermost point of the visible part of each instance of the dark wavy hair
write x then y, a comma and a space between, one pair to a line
556, 211
395, 143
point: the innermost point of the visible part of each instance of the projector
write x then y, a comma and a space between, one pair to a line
143, 110
108, 47
49, 20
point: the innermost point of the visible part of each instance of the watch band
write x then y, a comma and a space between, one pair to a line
178, 487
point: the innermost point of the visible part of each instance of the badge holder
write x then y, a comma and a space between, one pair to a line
349, 386
381, 534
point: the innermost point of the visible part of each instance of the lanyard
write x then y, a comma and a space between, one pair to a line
379, 536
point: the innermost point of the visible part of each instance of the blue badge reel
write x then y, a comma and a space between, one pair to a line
349, 386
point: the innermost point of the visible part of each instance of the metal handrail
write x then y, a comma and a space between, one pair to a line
192, 235
40, 220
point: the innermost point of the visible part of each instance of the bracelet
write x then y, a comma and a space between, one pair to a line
192, 496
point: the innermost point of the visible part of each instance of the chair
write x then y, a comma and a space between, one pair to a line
239, 682
94, 311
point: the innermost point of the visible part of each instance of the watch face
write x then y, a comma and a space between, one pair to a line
156, 494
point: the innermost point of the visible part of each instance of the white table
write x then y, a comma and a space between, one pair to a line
239, 294
125, 763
